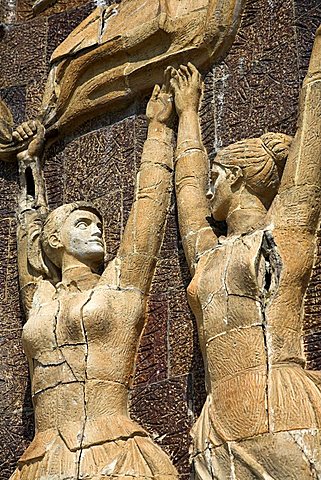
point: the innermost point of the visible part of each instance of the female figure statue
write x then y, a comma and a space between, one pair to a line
82, 331
262, 416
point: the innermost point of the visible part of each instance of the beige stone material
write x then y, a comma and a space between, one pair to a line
262, 416
82, 331
122, 49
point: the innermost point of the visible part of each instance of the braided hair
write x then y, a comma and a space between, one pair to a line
262, 161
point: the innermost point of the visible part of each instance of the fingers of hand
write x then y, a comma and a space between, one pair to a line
17, 137
174, 84
192, 69
179, 79
196, 76
22, 132
27, 127
155, 92
186, 71
182, 78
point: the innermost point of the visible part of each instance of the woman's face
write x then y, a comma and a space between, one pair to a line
220, 193
81, 237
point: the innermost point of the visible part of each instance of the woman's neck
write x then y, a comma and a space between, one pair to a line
245, 214
73, 272
79, 277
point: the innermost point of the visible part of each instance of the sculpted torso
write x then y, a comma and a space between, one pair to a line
83, 345
248, 343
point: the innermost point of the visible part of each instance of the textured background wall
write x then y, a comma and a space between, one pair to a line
254, 90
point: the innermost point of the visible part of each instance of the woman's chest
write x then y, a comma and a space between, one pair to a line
227, 289
78, 318
236, 267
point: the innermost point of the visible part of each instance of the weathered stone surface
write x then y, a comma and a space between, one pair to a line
152, 359
247, 83
23, 49
60, 25
16, 420
248, 287
120, 51
83, 330
167, 420
233, 108
25, 10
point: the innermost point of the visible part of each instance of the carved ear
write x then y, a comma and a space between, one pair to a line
234, 175
6, 124
54, 241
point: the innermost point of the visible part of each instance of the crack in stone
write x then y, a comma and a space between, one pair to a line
296, 434
272, 271
240, 327
86, 379
224, 281
232, 465
59, 346
52, 387
256, 468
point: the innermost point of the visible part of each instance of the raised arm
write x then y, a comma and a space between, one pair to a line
144, 231
298, 202
191, 171
32, 209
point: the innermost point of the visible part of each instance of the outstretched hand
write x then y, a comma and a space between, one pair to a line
186, 83
160, 106
29, 136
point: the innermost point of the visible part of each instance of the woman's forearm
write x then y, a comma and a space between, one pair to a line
158, 147
297, 204
145, 227
32, 208
189, 132
191, 183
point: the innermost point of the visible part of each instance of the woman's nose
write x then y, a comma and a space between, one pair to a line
96, 231
209, 194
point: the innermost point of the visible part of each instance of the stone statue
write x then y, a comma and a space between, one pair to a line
262, 416
83, 329
122, 49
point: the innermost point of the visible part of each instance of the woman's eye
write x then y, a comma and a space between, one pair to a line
82, 225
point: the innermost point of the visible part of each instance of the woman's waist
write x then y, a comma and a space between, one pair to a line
90, 369
242, 350
262, 372
284, 397
77, 401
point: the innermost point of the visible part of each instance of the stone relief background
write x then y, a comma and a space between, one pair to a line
254, 90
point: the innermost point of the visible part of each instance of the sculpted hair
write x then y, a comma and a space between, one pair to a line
54, 223
262, 161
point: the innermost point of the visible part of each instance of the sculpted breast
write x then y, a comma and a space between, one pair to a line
229, 285
109, 310
38, 334
113, 321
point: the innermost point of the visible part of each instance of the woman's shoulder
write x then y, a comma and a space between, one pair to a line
44, 292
